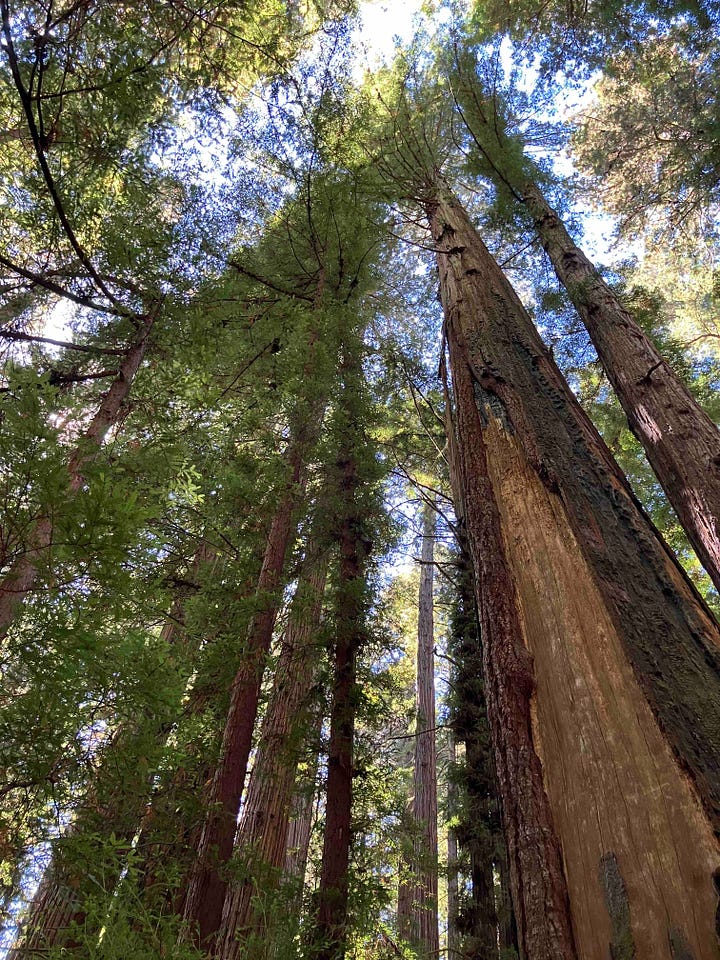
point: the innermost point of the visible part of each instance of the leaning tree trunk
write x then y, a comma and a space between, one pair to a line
425, 907
263, 831
57, 916
602, 665
680, 440
328, 936
20, 578
207, 884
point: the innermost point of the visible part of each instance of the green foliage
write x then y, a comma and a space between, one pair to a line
650, 137
228, 168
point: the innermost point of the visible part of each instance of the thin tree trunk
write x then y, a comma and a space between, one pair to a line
479, 831
171, 828
425, 910
113, 810
600, 658
680, 440
207, 884
406, 883
262, 836
453, 888
329, 935
20, 579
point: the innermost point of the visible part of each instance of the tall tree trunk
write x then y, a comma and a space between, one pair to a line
479, 831
453, 887
602, 665
406, 882
425, 910
207, 883
20, 579
263, 831
680, 440
329, 934
301, 822
112, 812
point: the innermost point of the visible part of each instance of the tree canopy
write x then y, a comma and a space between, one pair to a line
230, 404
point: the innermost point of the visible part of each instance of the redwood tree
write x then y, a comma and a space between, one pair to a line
680, 440
424, 890
263, 832
600, 660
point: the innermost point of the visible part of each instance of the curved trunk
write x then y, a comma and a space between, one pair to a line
602, 664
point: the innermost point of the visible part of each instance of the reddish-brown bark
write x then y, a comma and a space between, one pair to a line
541, 898
328, 938
20, 579
207, 884
680, 440
425, 908
262, 835
600, 659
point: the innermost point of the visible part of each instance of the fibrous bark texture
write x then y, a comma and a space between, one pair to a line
208, 884
328, 938
680, 440
602, 665
263, 832
453, 887
425, 915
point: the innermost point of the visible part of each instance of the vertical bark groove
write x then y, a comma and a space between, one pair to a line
207, 885
263, 832
425, 917
680, 440
329, 936
601, 611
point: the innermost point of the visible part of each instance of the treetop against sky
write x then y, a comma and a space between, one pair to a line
283, 286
